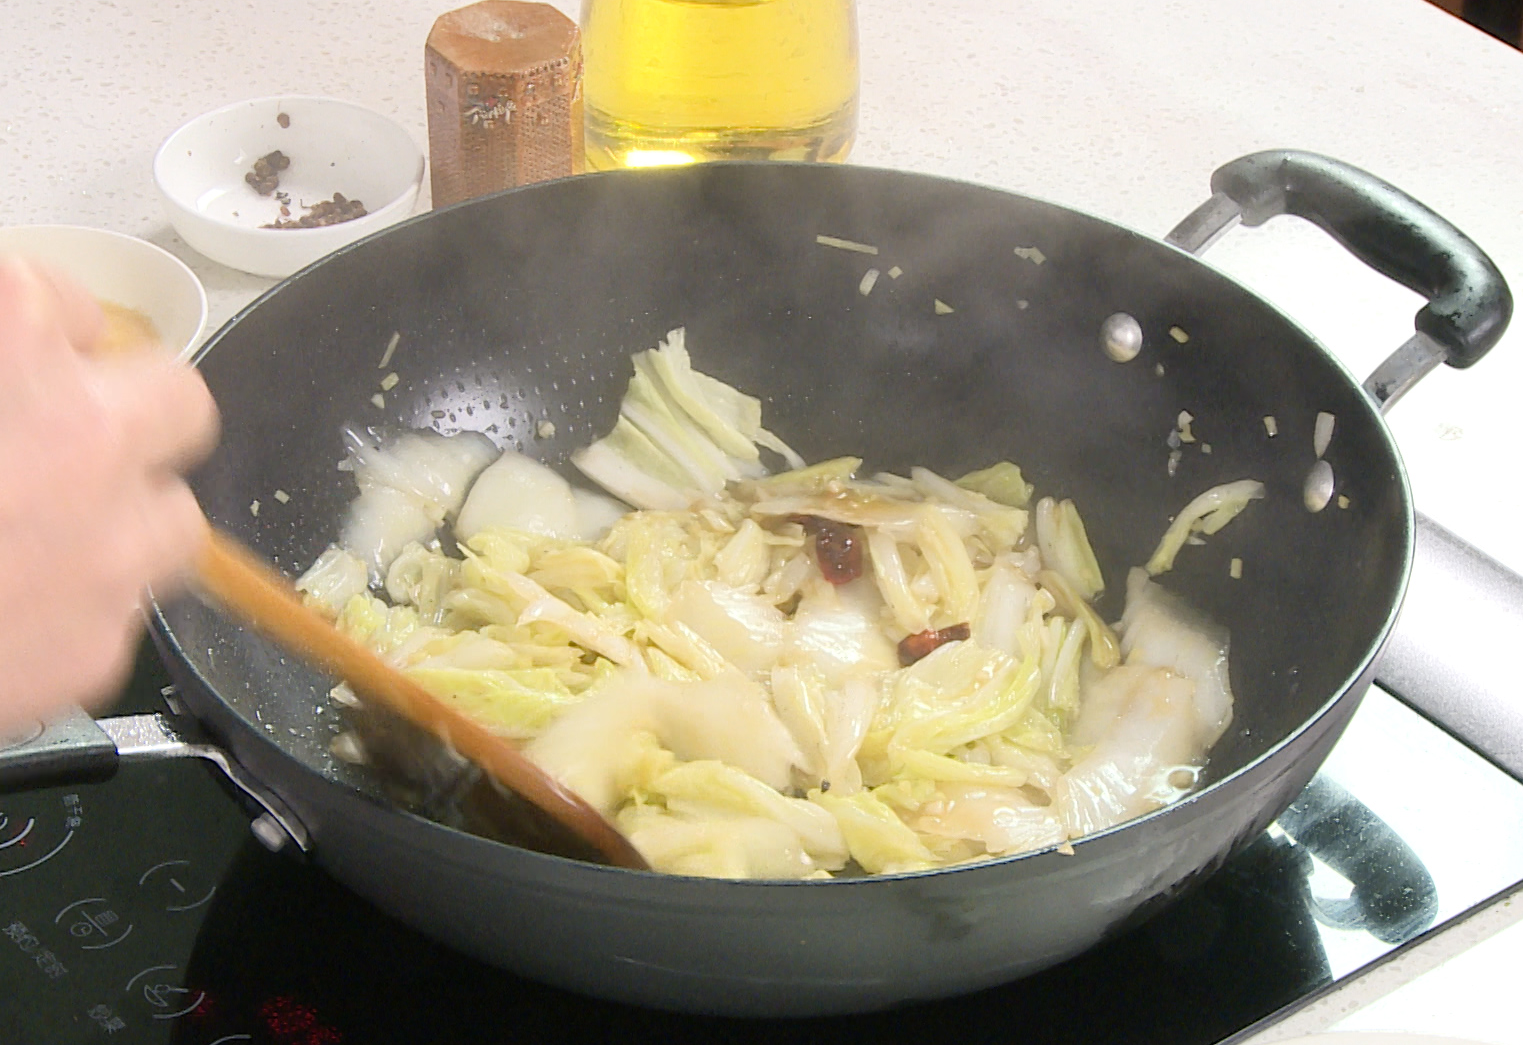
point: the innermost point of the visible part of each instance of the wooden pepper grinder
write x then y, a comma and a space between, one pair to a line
504, 98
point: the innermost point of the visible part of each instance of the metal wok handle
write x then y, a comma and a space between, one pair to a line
1469, 304
1464, 610
75, 748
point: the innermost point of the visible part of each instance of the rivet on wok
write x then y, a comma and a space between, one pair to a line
1121, 337
269, 832
1319, 486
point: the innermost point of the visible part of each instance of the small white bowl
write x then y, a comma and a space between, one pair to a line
333, 146
122, 270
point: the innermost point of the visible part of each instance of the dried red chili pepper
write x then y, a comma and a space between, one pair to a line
919, 645
837, 547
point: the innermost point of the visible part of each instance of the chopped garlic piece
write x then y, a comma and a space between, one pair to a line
254, 509
1323, 433
868, 279
845, 244
895, 272
379, 400
282, 496
545, 430
346, 747
389, 381
1271, 425
942, 308
1179, 334
1343, 501
1031, 254
1235, 569
391, 346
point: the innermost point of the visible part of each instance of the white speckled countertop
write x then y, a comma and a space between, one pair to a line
1118, 107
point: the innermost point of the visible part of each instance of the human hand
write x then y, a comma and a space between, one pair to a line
93, 508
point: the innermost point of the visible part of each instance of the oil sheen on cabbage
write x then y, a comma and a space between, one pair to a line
681, 81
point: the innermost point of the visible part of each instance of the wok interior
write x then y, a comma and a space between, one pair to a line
523, 308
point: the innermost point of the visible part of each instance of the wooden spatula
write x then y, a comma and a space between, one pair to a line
247, 588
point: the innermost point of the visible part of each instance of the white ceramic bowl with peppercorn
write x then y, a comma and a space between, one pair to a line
333, 155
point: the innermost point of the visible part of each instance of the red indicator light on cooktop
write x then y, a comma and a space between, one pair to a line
292, 1022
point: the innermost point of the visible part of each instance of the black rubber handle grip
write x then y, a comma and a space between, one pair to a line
1394, 897
70, 750
1468, 300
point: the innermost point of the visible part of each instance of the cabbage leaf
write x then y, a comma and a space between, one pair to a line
1207, 514
680, 434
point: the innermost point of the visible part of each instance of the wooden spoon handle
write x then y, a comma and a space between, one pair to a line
262, 598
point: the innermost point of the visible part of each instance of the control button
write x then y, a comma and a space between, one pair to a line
93, 920
18, 834
168, 999
27, 841
174, 886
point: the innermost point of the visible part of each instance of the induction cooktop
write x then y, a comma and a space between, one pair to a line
142, 910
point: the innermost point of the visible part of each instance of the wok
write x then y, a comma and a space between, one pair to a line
523, 308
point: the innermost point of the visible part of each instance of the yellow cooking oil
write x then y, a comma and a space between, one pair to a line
684, 81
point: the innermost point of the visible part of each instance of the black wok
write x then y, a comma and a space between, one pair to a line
522, 308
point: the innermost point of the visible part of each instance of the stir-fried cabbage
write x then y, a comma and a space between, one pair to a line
680, 434
1207, 514
799, 674
409, 487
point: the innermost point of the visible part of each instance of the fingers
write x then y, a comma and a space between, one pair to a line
161, 410
92, 507
43, 679
86, 654
77, 310
174, 533
42, 310
101, 671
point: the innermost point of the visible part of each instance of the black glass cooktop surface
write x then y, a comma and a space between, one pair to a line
141, 910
